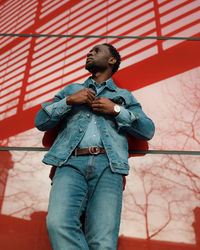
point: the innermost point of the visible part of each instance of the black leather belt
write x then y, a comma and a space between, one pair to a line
94, 150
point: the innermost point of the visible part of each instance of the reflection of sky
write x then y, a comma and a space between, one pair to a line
27, 186
28, 183
171, 104
165, 186
166, 103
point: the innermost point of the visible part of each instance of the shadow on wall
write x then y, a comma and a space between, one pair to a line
23, 234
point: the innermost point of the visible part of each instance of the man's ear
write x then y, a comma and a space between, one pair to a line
112, 60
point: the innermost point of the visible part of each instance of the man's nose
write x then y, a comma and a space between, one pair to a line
89, 54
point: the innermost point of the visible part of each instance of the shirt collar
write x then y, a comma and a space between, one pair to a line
108, 83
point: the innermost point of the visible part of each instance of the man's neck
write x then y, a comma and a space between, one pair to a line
100, 77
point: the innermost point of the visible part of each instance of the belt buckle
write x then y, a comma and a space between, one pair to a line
94, 150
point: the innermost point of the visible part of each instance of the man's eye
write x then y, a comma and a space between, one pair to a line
96, 50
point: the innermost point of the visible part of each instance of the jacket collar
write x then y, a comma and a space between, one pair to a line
108, 83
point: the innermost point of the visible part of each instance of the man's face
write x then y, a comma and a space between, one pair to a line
97, 59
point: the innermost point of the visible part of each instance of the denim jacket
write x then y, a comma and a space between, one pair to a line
75, 119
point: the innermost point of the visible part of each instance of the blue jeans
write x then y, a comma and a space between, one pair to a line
85, 184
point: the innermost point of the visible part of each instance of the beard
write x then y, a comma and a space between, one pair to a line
94, 67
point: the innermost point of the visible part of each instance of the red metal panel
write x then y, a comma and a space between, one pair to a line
34, 69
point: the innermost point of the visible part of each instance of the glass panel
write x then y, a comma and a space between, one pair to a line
173, 104
162, 203
24, 190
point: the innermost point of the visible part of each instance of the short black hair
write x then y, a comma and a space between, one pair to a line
116, 55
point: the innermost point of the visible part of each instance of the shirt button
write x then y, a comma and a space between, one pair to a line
88, 115
80, 130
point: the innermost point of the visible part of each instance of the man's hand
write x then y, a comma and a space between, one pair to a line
103, 105
83, 96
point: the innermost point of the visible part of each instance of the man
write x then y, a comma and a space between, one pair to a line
91, 154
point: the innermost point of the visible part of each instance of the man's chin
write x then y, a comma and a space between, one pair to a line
89, 68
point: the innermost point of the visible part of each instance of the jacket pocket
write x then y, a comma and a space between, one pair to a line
119, 100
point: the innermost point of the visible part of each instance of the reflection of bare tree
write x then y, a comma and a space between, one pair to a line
183, 112
169, 185
185, 115
24, 191
24, 187
5, 164
150, 188
161, 198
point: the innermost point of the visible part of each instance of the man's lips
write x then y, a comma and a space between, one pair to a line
89, 59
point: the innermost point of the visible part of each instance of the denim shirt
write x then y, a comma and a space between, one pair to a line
75, 120
92, 135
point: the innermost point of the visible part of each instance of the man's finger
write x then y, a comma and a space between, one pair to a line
90, 91
89, 100
97, 105
91, 96
97, 101
97, 109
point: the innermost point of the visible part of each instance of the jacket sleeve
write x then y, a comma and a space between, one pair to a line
134, 121
52, 112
